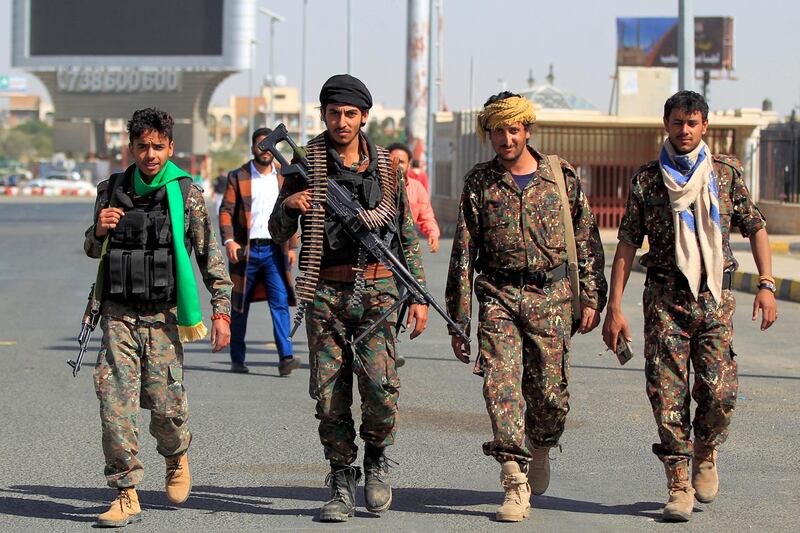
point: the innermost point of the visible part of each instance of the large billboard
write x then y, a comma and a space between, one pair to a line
193, 34
653, 42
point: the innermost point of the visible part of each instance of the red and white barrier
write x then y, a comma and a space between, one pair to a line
6, 190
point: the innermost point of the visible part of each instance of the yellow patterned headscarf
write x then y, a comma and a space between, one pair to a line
505, 112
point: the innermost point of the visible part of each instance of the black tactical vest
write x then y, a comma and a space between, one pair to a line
338, 247
140, 261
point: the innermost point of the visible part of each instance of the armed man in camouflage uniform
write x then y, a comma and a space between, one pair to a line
510, 231
343, 153
686, 203
146, 222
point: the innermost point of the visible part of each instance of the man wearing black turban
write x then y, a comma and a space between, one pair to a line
353, 290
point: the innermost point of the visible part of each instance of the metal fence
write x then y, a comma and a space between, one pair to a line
780, 162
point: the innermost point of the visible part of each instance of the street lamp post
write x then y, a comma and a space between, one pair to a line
253, 44
349, 38
303, 81
273, 18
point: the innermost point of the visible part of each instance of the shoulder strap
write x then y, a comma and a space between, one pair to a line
114, 181
572, 252
185, 184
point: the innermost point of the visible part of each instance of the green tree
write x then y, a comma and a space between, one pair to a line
27, 142
230, 158
381, 134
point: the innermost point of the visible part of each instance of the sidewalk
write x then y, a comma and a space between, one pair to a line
785, 263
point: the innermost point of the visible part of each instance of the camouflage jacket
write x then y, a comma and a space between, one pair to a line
210, 258
648, 212
283, 222
501, 227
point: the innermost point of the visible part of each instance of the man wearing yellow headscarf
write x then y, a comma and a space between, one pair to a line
512, 233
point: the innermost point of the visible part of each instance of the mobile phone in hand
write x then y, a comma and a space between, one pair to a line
624, 353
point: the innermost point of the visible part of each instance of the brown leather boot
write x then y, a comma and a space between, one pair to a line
681, 494
539, 469
124, 510
517, 500
705, 479
178, 478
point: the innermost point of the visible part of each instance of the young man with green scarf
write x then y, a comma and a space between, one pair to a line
147, 220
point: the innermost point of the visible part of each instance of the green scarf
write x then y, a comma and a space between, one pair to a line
190, 317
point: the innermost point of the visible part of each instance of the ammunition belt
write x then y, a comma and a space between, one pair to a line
313, 226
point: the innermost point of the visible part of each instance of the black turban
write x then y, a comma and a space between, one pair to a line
345, 89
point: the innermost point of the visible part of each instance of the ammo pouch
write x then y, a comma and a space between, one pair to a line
139, 266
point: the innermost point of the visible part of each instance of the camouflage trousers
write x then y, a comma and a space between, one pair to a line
681, 332
140, 364
333, 362
524, 337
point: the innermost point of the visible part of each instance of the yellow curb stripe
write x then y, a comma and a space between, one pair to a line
8, 343
779, 247
794, 291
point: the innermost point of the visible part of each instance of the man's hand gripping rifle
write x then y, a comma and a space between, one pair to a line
340, 203
90, 318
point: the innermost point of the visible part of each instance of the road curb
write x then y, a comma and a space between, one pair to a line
786, 289
777, 246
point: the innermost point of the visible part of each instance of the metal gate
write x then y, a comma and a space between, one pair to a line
780, 162
605, 157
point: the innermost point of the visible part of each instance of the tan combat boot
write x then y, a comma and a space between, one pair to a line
681, 494
517, 500
539, 469
705, 479
178, 478
124, 510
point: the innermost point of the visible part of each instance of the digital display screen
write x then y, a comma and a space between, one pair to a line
126, 28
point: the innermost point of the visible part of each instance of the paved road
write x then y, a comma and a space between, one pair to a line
258, 465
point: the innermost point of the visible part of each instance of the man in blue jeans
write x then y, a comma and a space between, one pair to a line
260, 269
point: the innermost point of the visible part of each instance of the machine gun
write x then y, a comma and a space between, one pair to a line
90, 318
341, 204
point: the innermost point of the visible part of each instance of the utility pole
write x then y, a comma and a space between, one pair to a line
417, 43
349, 38
303, 81
433, 26
253, 44
273, 18
685, 45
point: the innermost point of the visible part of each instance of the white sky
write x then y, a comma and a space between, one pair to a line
506, 38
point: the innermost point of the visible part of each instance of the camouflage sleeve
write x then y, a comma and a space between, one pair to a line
283, 221
408, 233
91, 244
458, 293
591, 257
632, 228
745, 214
210, 258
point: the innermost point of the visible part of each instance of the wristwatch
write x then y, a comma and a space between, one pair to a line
767, 285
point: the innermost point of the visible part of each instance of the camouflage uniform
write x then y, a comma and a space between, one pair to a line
679, 330
523, 332
330, 320
141, 357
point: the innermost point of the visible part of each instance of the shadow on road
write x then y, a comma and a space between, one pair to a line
259, 500
640, 370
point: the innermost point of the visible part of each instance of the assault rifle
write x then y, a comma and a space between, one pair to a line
341, 204
90, 318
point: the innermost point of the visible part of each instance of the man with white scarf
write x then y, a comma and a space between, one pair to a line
686, 203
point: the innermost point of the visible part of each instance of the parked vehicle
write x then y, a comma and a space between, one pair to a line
67, 181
